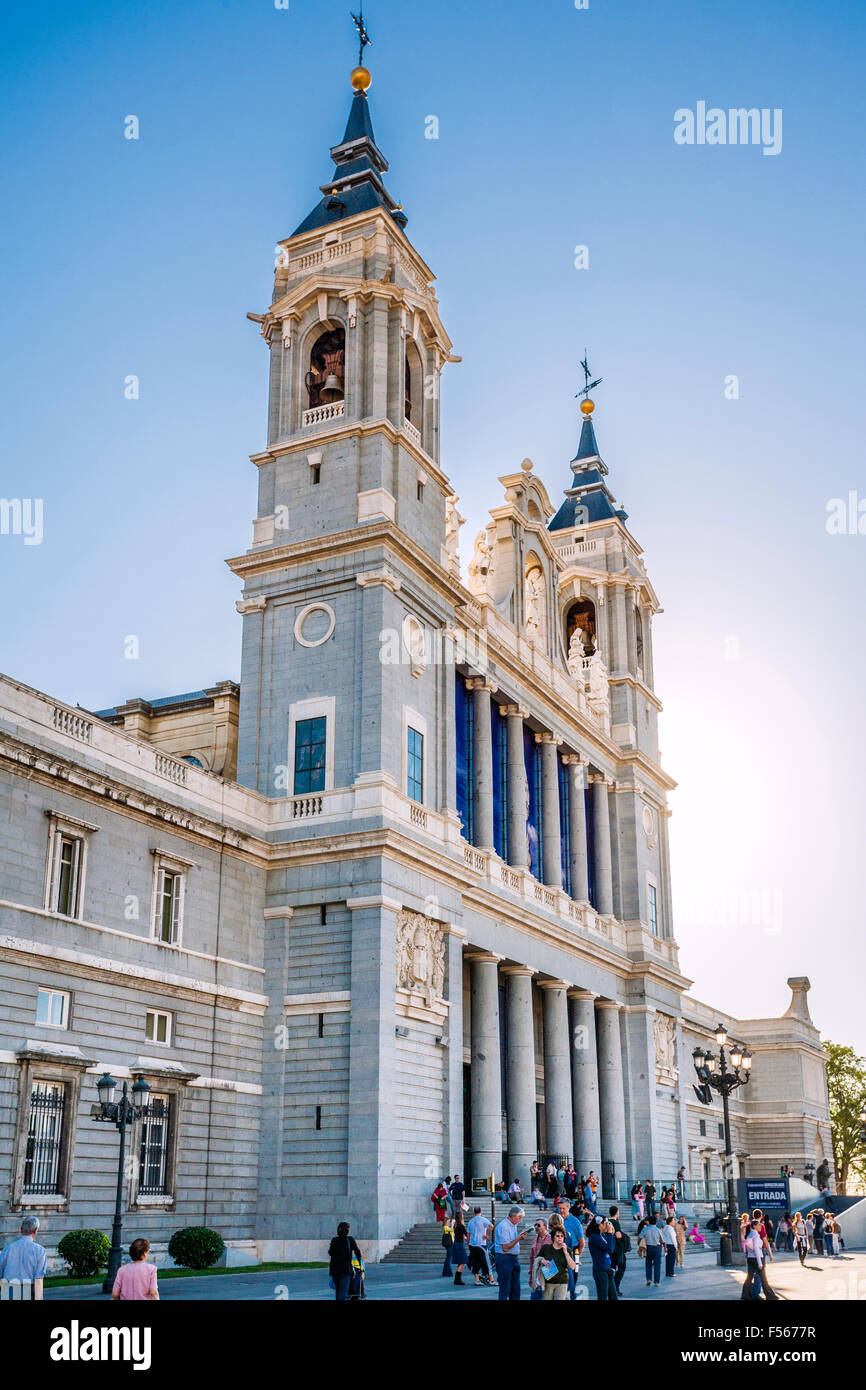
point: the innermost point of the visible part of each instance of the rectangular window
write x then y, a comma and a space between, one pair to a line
564, 832
169, 905
316, 474
52, 1008
321, 1025
498, 735
652, 900
721, 1131
463, 739
415, 764
702, 1126
157, 1027
153, 1155
45, 1137
420, 491
318, 1117
310, 740
66, 875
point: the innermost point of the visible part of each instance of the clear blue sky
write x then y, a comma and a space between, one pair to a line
556, 129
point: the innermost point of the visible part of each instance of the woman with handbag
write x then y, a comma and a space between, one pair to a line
458, 1252
439, 1198
447, 1245
345, 1261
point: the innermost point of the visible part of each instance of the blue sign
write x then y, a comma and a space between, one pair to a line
765, 1193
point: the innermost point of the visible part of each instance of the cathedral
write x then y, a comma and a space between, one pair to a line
397, 903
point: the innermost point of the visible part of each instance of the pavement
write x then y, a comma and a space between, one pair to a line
818, 1280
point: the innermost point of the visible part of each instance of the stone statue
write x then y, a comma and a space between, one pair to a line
453, 522
479, 565
822, 1177
576, 654
420, 956
598, 687
665, 1040
534, 600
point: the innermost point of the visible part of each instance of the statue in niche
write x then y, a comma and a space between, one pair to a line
453, 522
479, 565
420, 956
665, 1039
577, 653
598, 687
534, 603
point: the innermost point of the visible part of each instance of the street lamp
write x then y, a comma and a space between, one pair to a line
713, 1075
120, 1113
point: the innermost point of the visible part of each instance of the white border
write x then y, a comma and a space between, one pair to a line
312, 709
302, 618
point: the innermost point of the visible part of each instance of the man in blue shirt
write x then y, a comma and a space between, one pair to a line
23, 1264
506, 1244
574, 1241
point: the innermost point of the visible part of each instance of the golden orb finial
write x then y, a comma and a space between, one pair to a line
361, 79
587, 407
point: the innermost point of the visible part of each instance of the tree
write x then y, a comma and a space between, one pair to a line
846, 1083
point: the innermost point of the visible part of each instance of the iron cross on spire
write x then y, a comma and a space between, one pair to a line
588, 385
363, 36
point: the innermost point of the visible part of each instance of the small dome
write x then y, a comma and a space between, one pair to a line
361, 79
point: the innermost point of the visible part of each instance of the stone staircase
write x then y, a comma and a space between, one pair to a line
422, 1243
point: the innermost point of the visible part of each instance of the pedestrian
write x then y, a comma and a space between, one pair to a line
755, 1262
602, 1242
542, 1238
745, 1223
477, 1228
669, 1205
449, 1201
653, 1241
819, 1232
681, 1230
669, 1240
810, 1231
574, 1241
637, 1201
782, 1229
681, 1183
650, 1190
556, 1265
552, 1183
590, 1192
342, 1252
538, 1199
506, 1245
447, 1246
136, 1281
24, 1261
459, 1252
439, 1198
801, 1236
534, 1173
458, 1192
621, 1246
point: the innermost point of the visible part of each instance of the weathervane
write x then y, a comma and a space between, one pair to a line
363, 36
588, 385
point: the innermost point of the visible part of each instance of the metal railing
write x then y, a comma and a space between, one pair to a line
689, 1190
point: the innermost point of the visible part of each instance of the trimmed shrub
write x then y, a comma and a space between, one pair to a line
85, 1252
196, 1247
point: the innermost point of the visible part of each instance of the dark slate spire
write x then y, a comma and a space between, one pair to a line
357, 183
588, 491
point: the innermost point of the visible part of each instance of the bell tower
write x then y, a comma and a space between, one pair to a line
356, 350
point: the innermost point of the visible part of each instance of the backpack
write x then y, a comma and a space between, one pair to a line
626, 1242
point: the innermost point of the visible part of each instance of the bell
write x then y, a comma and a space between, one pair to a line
332, 390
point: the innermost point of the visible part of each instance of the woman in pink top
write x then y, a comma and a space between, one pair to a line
136, 1280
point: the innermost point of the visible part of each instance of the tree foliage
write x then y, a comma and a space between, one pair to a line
846, 1083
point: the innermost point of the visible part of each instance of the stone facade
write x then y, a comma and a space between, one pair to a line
426, 926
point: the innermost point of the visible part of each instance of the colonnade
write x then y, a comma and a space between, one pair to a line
584, 1092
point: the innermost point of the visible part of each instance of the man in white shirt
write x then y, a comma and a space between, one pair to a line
669, 1241
755, 1263
506, 1243
479, 1264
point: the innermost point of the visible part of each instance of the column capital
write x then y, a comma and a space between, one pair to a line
608, 1004
575, 760
554, 984
483, 956
518, 970
547, 737
515, 711
586, 994
480, 683
596, 777
357, 904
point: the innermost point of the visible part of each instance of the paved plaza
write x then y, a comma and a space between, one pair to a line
819, 1279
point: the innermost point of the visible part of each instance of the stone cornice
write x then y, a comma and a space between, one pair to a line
345, 429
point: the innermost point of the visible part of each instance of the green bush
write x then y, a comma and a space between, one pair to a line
196, 1247
85, 1252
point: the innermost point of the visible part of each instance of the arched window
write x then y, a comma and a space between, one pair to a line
412, 385
580, 621
407, 407
326, 379
638, 635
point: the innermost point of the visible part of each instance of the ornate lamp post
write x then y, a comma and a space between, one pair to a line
121, 1113
714, 1075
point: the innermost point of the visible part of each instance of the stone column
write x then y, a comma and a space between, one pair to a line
551, 834
648, 674
485, 1073
520, 1073
577, 827
601, 845
452, 1056
612, 1091
482, 765
630, 628
516, 788
584, 1083
557, 1068
620, 630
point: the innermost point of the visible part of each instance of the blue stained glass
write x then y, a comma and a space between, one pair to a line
415, 765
